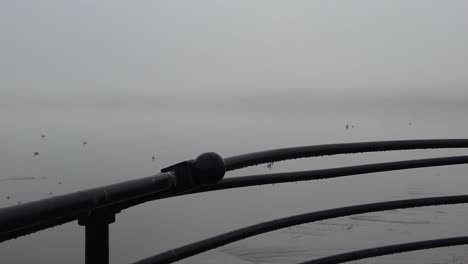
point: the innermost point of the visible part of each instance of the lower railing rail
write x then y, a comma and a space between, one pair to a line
392, 249
189, 250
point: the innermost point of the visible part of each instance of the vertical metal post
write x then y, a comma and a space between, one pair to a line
97, 237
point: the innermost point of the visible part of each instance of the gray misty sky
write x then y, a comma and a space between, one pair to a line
245, 47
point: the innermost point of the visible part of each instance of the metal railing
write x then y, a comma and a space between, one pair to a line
96, 208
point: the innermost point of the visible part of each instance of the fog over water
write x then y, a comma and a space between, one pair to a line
174, 79
122, 135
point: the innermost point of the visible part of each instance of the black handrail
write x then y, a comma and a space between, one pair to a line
274, 178
96, 208
78, 204
184, 171
255, 158
228, 183
391, 249
253, 230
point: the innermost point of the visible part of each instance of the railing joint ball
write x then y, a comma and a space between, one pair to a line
208, 168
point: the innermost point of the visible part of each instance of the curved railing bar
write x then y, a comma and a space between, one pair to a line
256, 158
254, 180
245, 181
246, 232
391, 249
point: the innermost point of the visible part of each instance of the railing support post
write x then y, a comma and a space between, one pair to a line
97, 237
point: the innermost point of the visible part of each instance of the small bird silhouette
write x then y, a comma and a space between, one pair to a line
347, 126
36, 154
43, 136
270, 165
85, 142
59, 182
8, 197
153, 158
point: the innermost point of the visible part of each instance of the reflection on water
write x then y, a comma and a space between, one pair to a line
121, 143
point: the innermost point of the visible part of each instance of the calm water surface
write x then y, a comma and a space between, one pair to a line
121, 142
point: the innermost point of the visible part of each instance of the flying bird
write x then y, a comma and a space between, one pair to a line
153, 158
36, 154
85, 142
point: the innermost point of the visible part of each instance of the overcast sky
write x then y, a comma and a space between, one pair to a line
112, 47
